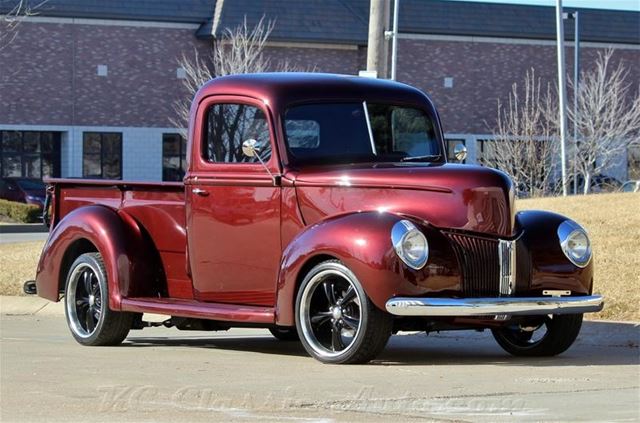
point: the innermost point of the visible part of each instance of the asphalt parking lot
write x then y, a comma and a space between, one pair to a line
245, 375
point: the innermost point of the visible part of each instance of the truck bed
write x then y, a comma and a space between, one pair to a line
158, 208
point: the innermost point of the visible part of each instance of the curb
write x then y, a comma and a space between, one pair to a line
29, 306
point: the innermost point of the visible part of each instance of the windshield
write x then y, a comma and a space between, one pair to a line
360, 132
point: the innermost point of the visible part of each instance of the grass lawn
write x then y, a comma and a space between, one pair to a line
613, 222
18, 264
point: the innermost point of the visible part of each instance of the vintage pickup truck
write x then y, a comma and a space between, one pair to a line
321, 207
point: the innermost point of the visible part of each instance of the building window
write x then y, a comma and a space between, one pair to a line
451, 145
29, 154
228, 126
486, 151
174, 153
102, 155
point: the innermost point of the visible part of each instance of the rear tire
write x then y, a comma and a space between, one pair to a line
336, 321
90, 320
561, 333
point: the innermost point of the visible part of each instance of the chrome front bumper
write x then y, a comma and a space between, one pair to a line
511, 306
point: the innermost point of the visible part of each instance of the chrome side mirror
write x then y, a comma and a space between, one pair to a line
460, 152
250, 149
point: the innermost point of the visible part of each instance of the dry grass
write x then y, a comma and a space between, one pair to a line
18, 264
613, 222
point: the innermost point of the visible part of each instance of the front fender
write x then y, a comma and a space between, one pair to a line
116, 236
362, 241
550, 267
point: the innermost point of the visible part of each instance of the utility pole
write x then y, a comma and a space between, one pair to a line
376, 46
562, 94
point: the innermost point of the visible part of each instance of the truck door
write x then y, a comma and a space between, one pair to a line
233, 205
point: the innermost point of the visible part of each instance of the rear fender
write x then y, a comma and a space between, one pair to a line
128, 257
359, 240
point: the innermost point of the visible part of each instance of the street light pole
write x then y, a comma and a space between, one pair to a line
562, 94
394, 41
576, 85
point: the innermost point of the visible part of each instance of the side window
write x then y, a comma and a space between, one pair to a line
412, 131
228, 126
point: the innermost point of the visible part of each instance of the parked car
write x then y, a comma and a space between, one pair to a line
23, 190
321, 207
630, 186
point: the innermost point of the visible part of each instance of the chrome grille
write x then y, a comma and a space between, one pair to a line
488, 265
507, 258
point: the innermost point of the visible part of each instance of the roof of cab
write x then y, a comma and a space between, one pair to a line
282, 89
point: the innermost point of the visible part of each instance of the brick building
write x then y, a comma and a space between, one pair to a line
87, 87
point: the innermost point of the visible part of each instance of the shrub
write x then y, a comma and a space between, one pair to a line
21, 212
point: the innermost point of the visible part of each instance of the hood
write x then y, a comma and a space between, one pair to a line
464, 197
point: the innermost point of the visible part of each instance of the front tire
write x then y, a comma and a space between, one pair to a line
282, 333
90, 320
552, 336
336, 321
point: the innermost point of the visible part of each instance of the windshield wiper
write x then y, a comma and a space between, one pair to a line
420, 158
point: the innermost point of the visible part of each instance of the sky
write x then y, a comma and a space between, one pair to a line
592, 4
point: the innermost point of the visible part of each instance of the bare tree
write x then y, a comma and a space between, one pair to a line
607, 118
10, 22
523, 144
239, 50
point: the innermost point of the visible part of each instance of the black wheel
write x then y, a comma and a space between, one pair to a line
87, 304
284, 333
336, 321
550, 335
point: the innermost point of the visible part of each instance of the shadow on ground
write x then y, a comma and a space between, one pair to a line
599, 343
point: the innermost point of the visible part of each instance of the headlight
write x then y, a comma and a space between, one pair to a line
410, 244
575, 243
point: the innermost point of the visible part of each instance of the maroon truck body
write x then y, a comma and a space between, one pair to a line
233, 244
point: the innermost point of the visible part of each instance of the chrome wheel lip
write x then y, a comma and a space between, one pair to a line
71, 300
305, 318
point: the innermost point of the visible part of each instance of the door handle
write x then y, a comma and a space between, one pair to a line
201, 192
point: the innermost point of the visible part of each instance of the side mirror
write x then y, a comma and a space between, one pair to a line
250, 149
460, 152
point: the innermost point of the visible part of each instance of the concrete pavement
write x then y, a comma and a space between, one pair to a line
244, 375
10, 233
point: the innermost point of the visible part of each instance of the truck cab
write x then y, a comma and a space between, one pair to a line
322, 208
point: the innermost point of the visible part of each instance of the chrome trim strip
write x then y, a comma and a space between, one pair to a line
366, 115
408, 306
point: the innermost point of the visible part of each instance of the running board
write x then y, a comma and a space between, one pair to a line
200, 310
